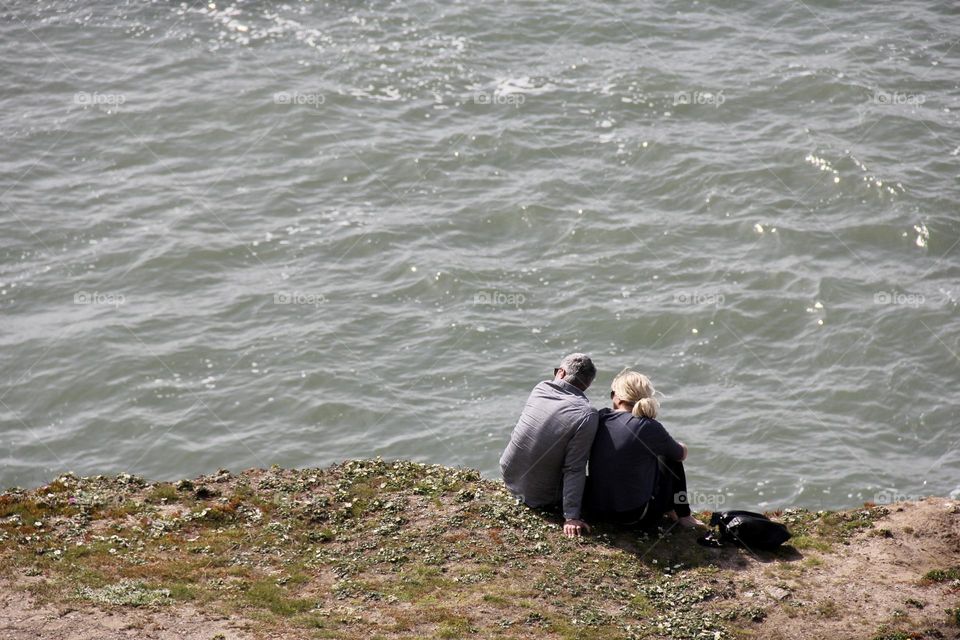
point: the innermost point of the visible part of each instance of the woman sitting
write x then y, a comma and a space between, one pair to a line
635, 474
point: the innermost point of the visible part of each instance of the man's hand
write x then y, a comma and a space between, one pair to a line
575, 528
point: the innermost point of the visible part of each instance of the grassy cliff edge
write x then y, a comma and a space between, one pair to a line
376, 549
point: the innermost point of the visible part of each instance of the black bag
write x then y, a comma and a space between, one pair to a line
749, 529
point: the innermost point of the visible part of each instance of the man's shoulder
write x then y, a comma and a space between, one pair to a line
561, 389
587, 413
542, 386
570, 397
544, 390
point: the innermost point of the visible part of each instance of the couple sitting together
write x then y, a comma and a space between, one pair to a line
636, 474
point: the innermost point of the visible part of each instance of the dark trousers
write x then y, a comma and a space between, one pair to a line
671, 491
669, 494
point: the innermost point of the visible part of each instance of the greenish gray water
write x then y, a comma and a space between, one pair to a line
247, 234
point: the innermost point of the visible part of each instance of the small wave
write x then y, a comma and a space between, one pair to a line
522, 85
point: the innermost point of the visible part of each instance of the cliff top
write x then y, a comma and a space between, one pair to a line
374, 549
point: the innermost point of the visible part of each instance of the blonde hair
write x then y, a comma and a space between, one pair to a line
636, 389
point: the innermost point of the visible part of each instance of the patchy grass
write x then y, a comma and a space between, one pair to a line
162, 493
827, 609
822, 530
954, 615
267, 594
126, 592
942, 575
370, 549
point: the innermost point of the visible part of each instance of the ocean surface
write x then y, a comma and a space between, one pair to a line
251, 233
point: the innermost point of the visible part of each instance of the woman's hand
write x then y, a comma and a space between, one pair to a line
575, 528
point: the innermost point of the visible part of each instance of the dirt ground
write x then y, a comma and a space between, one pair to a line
21, 619
874, 583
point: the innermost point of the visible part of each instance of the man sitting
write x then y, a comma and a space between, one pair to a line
545, 463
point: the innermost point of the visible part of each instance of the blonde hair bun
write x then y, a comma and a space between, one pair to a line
636, 389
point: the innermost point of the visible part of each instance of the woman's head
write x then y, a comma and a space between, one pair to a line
634, 389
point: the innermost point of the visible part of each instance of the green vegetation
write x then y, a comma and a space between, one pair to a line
943, 575
126, 592
822, 530
954, 615
370, 549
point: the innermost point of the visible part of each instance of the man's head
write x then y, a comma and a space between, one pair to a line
577, 369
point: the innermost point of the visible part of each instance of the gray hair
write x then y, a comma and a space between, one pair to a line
579, 368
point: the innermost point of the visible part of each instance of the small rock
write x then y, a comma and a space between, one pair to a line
778, 593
